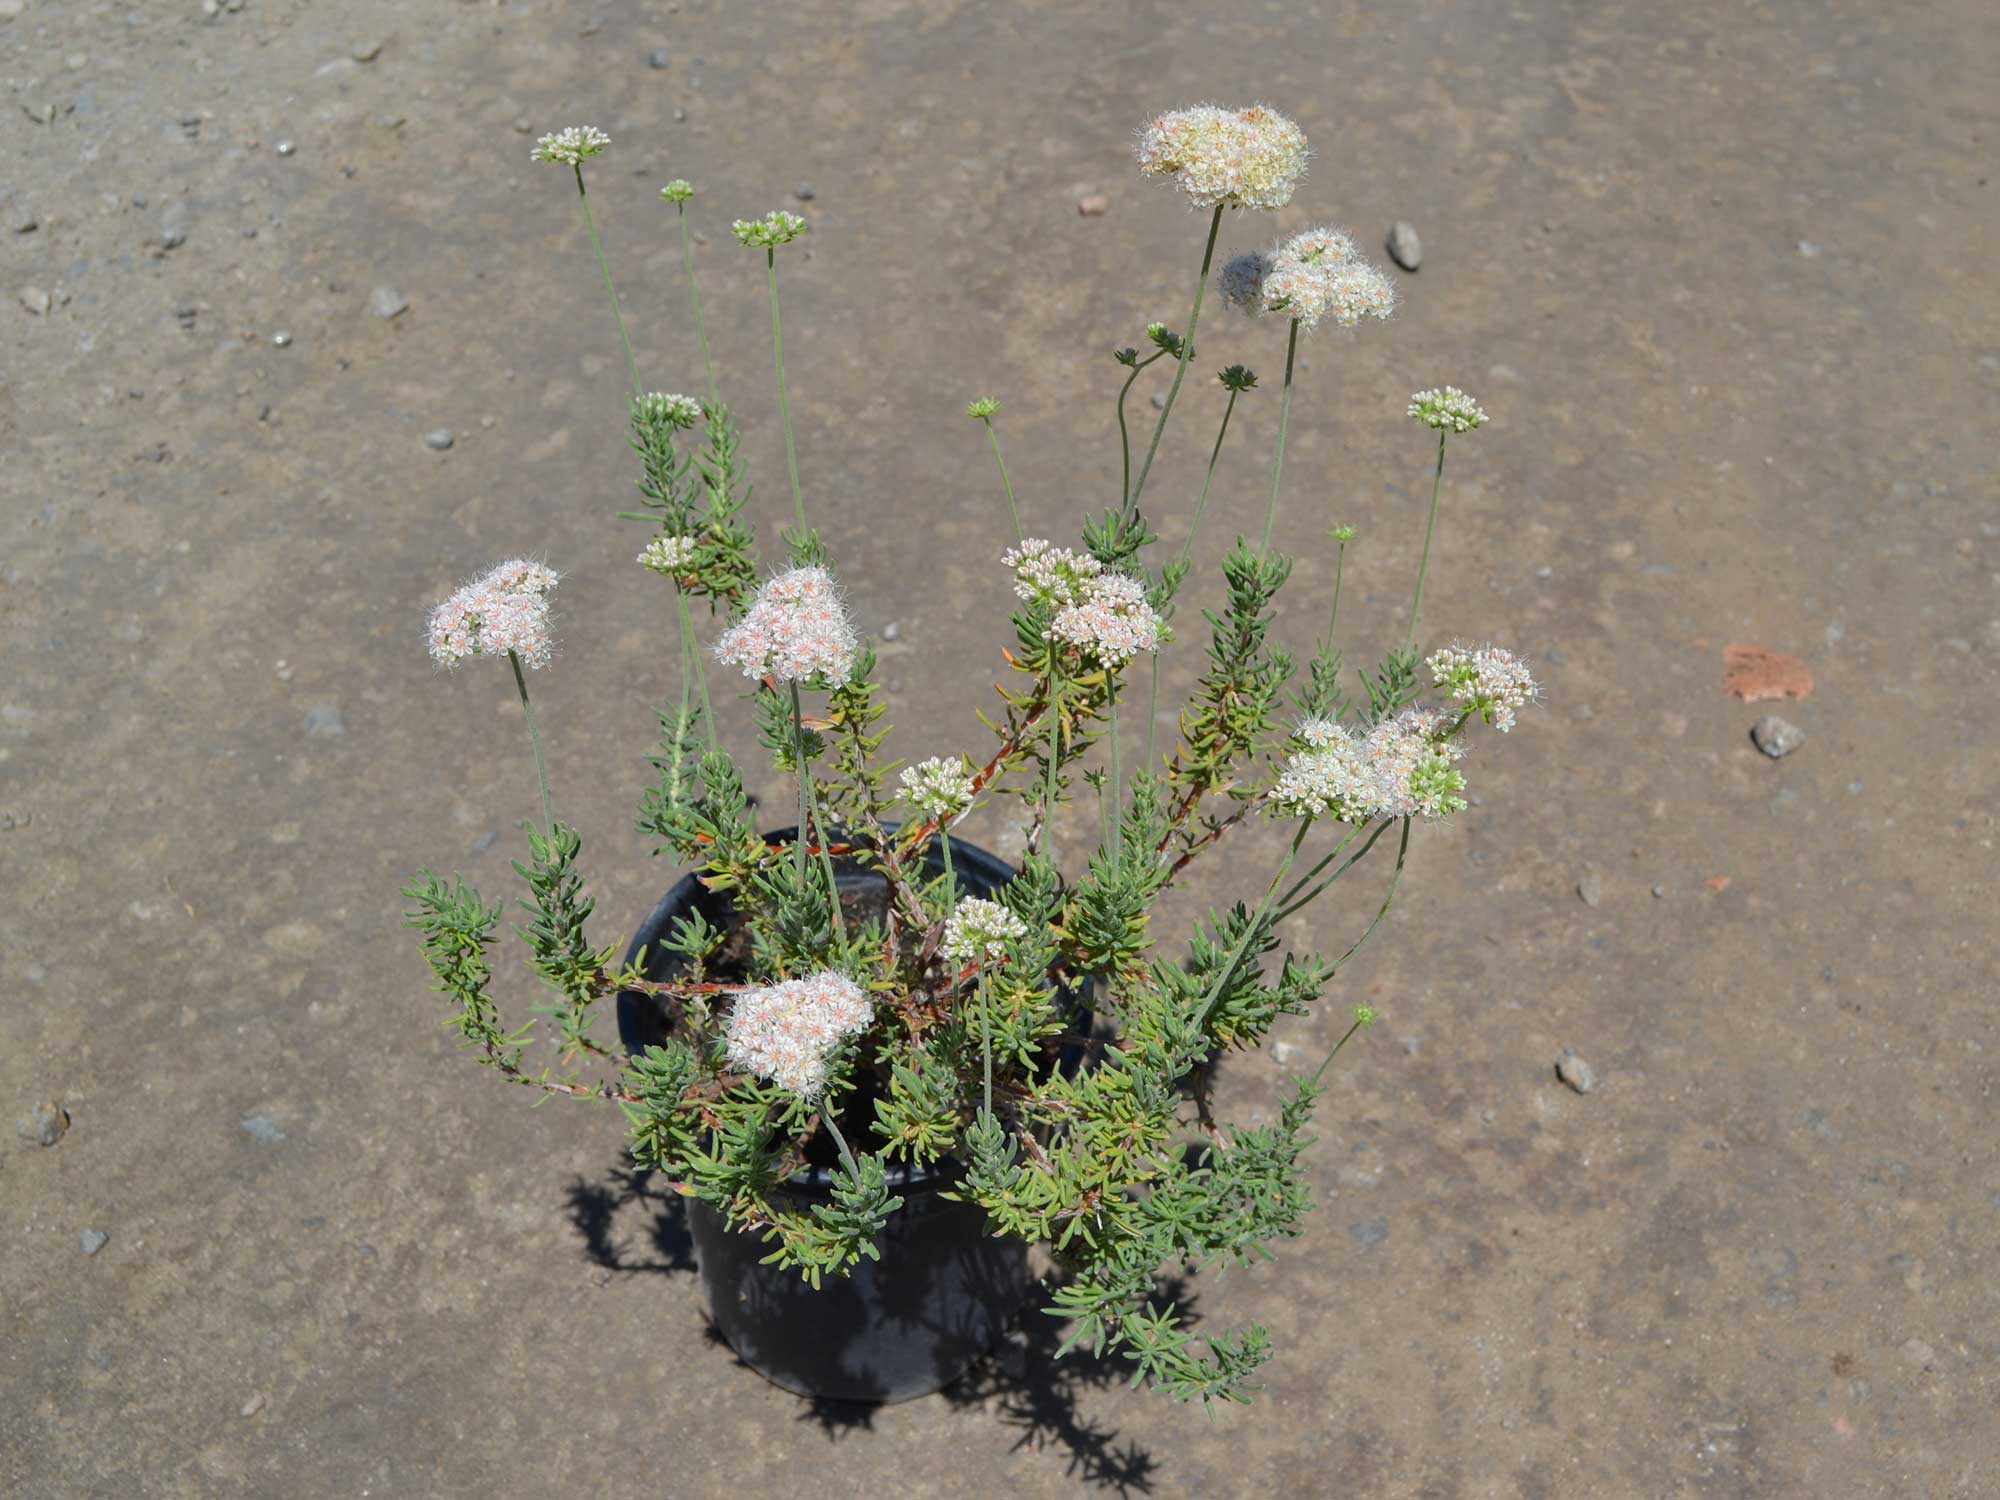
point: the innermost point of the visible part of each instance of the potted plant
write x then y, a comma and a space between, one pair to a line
876, 1060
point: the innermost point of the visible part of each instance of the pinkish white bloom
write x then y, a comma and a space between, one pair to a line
1447, 410
980, 930
1242, 158
663, 407
1051, 575
572, 146
938, 788
776, 228
1113, 621
1403, 767
1490, 680
796, 628
671, 556
1316, 275
789, 1032
523, 575
487, 618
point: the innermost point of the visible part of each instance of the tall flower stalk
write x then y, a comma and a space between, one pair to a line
767, 234
982, 410
678, 192
1445, 411
572, 148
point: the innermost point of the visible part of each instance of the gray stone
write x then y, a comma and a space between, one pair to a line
263, 1129
323, 722
1159, 400
34, 299
1777, 737
1405, 249
659, 57
804, 192
93, 1240
286, 148
281, 339
367, 51
891, 631
173, 228
440, 439
23, 221
387, 302
1575, 1072
1590, 888
45, 1124
257, 1402
1659, 891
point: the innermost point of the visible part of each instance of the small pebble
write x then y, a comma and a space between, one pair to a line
1405, 249
659, 57
263, 1129
390, 121
23, 221
93, 1240
1808, 249
891, 631
804, 192
1575, 1072
367, 51
286, 148
1093, 205
254, 1405
76, 61
34, 299
441, 439
282, 339
45, 1124
1659, 891
1590, 888
1777, 737
11, 9
387, 302
1159, 400
680, 115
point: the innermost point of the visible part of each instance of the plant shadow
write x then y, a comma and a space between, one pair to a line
1021, 1380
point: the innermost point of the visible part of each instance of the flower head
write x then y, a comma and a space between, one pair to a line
1403, 767
789, 1032
1448, 410
1241, 279
1048, 574
979, 930
1113, 621
1238, 378
981, 408
507, 610
1317, 275
659, 408
1491, 680
678, 191
572, 147
796, 628
1241, 158
670, 556
937, 788
776, 228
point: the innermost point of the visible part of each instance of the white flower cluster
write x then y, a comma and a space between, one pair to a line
1244, 158
572, 147
979, 930
1491, 680
670, 556
789, 1032
1448, 410
675, 411
794, 629
1317, 274
776, 228
506, 610
938, 788
1048, 574
1113, 621
1402, 768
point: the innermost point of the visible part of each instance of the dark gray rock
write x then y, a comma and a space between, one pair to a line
45, 1124
659, 57
1777, 737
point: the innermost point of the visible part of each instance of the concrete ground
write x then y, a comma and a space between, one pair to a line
1721, 272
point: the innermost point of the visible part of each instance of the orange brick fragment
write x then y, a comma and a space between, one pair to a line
1757, 673
1716, 883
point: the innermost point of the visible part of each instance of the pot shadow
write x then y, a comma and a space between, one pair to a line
1021, 1380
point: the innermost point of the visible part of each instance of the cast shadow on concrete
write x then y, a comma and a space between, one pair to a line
1021, 1381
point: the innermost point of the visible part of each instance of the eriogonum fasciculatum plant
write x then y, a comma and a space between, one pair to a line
942, 1029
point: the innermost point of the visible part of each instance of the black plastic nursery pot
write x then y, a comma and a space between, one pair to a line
895, 1328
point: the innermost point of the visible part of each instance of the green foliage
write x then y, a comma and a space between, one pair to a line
1235, 703
558, 910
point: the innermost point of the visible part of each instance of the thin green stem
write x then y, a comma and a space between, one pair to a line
1201, 504
1423, 565
1152, 711
590, 223
1124, 435
1115, 833
1331, 855
1327, 1061
950, 880
535, 739
986, 1033
1180, 366
1055, 752
784, 403
809, 818
1278, 454
799, 755
1382, 911
1333, 614
1292, 901
692, 663
846, 1156
1012, 509
1251, 930
694, 298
